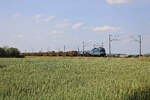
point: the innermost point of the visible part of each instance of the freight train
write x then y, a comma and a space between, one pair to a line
94, 52
50, 53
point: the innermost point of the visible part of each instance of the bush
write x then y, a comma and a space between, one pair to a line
9, 52
146, 55
133, 56
12, 52
114, 55
2, 52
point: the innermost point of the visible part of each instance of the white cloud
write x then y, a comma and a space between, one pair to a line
19, 36
7, 43
75, 26
66, 20
106, 28
62, 25
39, 19
17, 15
52, 33
117, 1
37, 37
87, 28
38, 16
49, 18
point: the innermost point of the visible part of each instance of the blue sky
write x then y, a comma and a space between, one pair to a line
33, 25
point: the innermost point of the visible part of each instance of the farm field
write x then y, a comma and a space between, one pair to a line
67, 78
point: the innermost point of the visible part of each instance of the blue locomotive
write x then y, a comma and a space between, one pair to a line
98, 52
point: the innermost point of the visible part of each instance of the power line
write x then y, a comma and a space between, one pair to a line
139, 40
64, 48
110, 45
83, 47
102, 44
140, 44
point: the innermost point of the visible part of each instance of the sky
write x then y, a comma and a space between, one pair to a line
46, 25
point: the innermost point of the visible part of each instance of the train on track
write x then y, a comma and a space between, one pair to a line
100, 52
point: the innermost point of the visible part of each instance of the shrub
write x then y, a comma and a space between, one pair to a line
146, 55
114, 55
9, 52
2, 52
133, 56
13, 52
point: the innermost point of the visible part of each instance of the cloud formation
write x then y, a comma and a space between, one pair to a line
53, 33
17, 15
19, 36
117, 1
62, 25
76, 26
106, 28
39, 19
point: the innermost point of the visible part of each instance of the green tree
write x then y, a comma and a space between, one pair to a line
13, 52
2, 52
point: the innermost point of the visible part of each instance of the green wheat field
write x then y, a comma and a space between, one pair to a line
78, 78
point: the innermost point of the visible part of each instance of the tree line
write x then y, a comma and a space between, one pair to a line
9, 52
